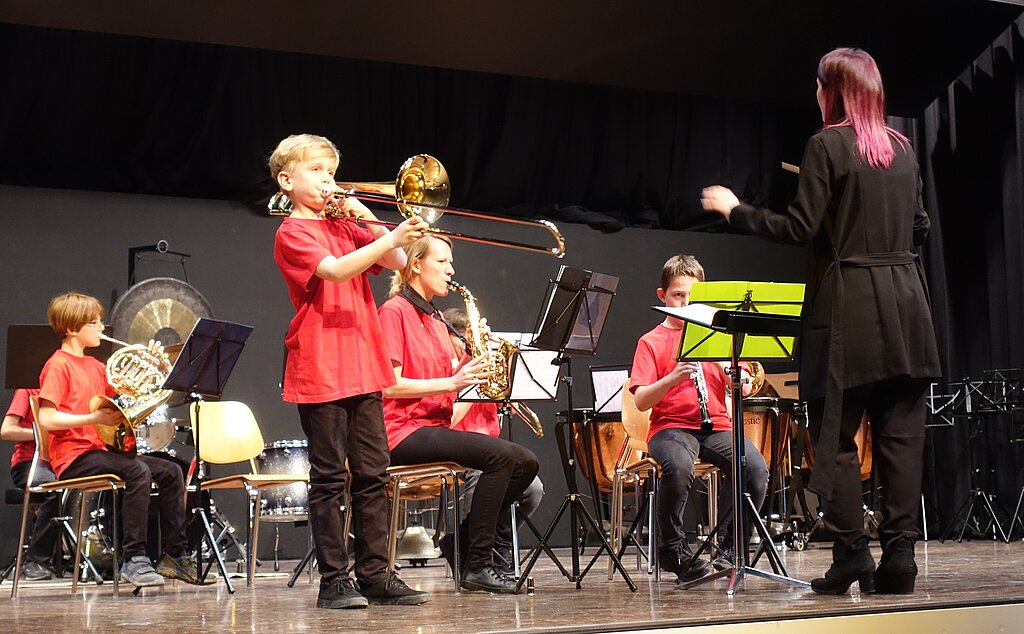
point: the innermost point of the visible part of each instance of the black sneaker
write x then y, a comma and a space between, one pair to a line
677, 561
503, 561
341, 593
390, 590
447, 547
35, 571
724, 560
489, 579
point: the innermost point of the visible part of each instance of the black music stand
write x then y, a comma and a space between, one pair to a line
29, 346
571, 322
732, 315
201, 370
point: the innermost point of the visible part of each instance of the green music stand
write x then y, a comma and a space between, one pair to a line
730, 321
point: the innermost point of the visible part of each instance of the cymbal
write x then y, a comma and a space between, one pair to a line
160, 308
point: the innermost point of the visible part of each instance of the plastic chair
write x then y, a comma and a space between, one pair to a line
86, 484
229, 433
634, 464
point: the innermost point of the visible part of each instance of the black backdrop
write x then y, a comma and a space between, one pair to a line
186, 122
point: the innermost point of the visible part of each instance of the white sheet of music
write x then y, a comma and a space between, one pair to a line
700, 314
535, 378
608, 390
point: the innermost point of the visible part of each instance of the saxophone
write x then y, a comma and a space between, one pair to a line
499, 382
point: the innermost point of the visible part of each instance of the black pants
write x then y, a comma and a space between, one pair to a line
139, 474
896, 409
507, 469
677, 450
349, 429
44, 531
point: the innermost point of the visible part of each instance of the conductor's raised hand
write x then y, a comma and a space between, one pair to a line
719, 199
409, 231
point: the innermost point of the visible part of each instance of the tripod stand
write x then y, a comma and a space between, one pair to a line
979, 500
767, 333
575, 310
203, 366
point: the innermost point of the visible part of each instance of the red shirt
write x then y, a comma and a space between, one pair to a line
23, 449
334, 339
69, 382
656, 357
419, 343
481, 418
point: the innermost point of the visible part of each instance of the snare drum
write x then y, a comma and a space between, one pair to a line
284, 503
156, 432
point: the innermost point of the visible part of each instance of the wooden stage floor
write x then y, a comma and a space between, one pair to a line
952, 575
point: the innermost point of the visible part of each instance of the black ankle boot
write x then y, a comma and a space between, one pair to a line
897, 570
849, 564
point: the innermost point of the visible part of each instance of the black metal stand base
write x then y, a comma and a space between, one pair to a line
736, 574
977, 502
217, 557
577, 509
307, 560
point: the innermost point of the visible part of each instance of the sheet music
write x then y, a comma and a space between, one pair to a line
701, 314
608, 390
534, 376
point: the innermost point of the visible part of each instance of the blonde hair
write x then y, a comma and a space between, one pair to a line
300, 147
71, 311
679, 265
413, 251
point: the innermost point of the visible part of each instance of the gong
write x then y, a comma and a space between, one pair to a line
160, 308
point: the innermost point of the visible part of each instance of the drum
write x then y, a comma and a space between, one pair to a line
284, 503
758, 416
597, 462
863, 440
156, 432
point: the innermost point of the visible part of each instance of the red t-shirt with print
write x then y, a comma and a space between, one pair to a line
655, 358
70, 382
419, 343
333, 341
23, 449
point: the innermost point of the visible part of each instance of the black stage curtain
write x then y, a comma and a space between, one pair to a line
971, 142
113, 113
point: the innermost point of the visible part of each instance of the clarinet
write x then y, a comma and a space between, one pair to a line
697, 376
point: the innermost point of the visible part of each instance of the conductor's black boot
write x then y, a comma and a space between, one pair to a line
849, 563
897, 571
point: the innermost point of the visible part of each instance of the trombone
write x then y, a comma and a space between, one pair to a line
422, 189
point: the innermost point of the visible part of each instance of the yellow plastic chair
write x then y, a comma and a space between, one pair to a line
86, 484
229, 433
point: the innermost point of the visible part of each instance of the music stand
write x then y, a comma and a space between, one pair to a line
203, 366
726, 322
29, 346
571, 321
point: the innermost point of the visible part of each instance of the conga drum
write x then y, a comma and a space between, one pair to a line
597, 461
863, 441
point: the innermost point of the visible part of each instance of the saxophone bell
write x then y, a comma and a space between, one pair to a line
528, 416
